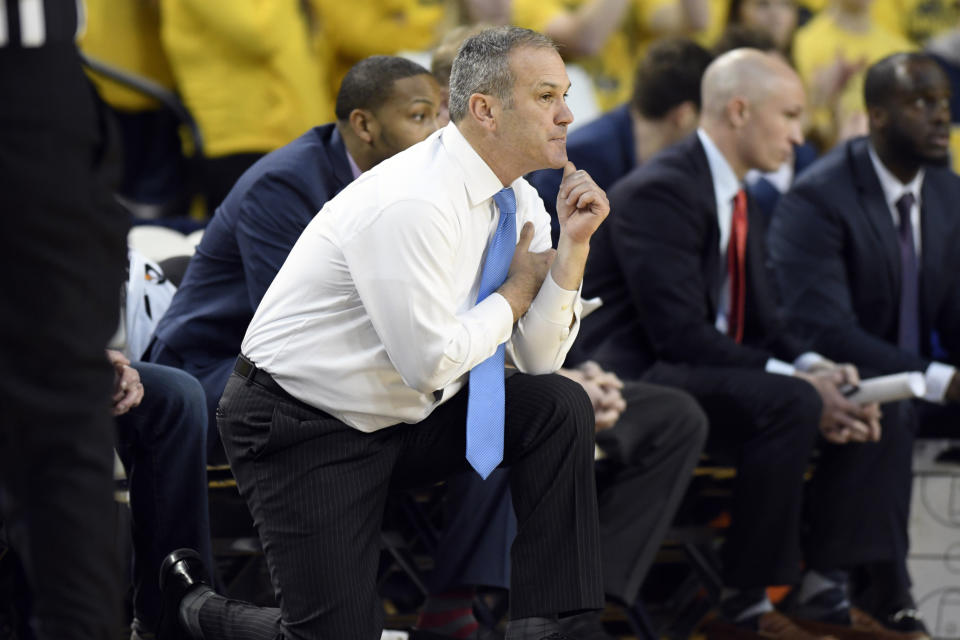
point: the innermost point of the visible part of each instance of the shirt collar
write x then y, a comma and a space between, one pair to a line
480, 180
725, 183
354, 168
893, 189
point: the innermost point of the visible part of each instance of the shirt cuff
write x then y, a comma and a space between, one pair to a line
557, 305
808, 360
779, 366
493, 317
938, 377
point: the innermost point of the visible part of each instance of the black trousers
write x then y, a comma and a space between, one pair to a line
478, 529
62, 265
651, 453
769, 423
317, 488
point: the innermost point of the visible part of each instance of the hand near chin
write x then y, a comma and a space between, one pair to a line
581, 204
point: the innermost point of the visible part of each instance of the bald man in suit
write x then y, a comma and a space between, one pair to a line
688, 302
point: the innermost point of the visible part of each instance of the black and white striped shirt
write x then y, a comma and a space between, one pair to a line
40, 23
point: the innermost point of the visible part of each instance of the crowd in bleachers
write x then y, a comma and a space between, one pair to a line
780, 177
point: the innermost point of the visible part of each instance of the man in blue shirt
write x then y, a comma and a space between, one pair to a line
385, 104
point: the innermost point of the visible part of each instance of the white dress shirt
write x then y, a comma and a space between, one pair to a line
373, 316
725, 188
938, 374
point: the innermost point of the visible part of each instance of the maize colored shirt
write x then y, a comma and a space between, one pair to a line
612, 68
820, 41
126, 34
361, 28
246, 70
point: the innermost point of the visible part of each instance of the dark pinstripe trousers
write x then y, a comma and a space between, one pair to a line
316, 489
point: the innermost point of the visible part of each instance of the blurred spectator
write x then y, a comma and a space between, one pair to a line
738, 36
250, 76
831, 52
361, 28
914, 20
946, 49
917, 20
775, 18
125, 34
608, 37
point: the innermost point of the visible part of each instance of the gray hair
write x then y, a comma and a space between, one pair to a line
482, 65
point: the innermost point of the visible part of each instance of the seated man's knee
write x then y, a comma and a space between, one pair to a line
570, 405
688, 420
798, 403
173, 396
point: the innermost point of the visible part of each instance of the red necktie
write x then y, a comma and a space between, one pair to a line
737, 266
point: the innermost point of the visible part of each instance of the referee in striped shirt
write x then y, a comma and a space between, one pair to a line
62, 264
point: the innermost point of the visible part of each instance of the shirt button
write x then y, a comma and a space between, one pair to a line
565, 333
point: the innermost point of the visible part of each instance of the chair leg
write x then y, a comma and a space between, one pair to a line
640, 621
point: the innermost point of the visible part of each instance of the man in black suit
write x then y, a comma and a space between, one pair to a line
680, 309
864, 248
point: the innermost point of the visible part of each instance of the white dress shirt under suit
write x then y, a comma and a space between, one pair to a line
373, 317
725, 187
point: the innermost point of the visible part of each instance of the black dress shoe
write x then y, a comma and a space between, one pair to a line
181, 572
585, 626
908, 622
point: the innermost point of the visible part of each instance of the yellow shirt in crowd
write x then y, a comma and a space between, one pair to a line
247, 70
613, 67
356, 29
915, 20
818, 43
126, 35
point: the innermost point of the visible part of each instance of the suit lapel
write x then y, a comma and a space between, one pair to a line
713, 270
875, 209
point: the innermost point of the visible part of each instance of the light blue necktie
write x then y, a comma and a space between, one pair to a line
485, 400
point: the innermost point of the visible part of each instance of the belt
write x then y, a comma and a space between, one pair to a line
246, 369
252, 373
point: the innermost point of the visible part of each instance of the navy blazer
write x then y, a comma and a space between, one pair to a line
246, 243
656, 264
836, 255
604, 148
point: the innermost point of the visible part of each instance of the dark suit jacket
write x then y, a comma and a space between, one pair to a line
656, 264
247, 241
834, 247
604, 148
